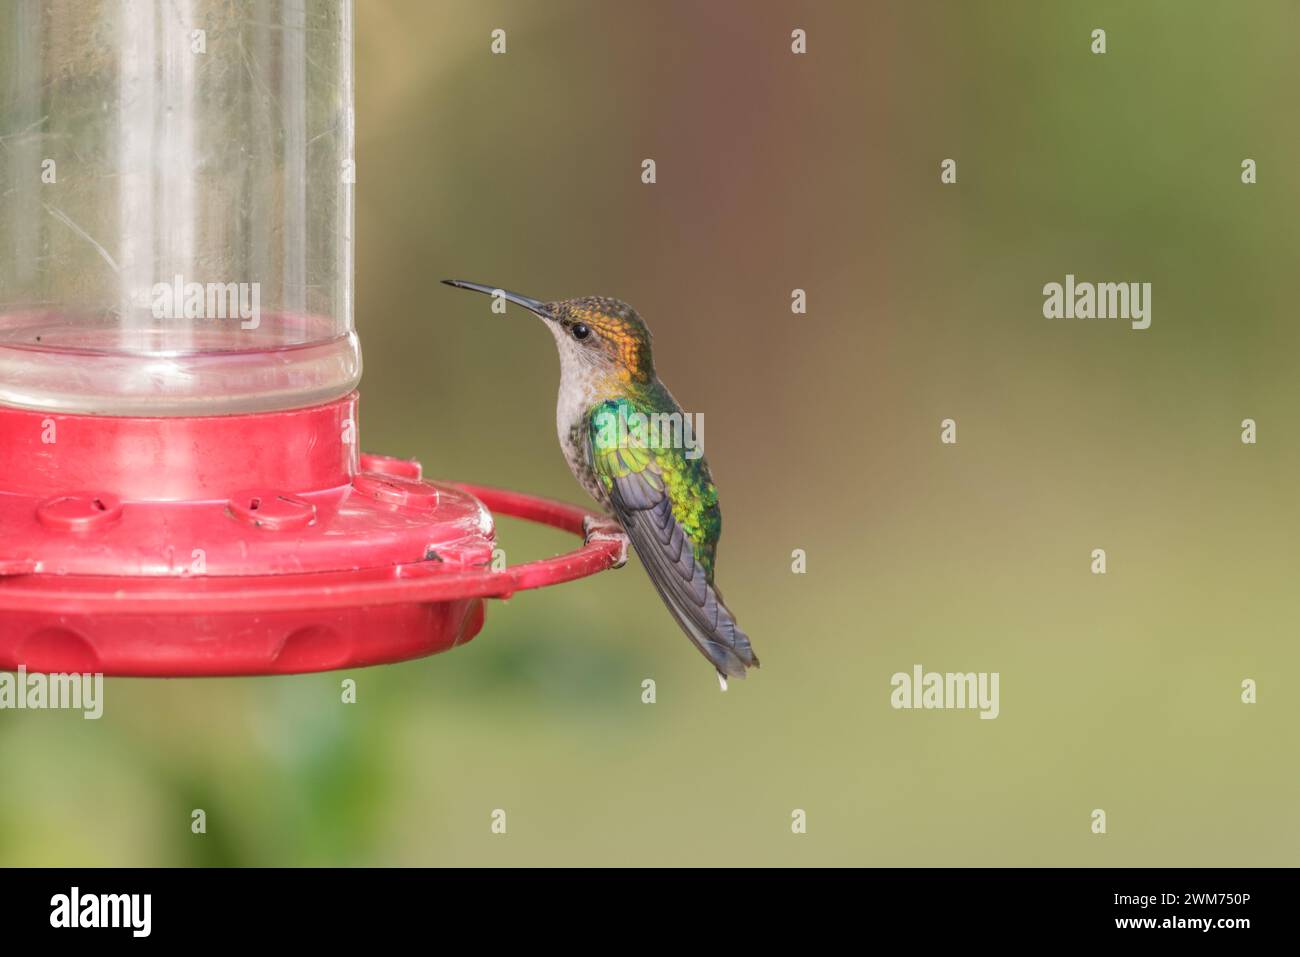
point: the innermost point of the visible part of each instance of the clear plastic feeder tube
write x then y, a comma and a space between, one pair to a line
176, 205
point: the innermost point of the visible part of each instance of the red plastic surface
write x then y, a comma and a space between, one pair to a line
304, 565
268, 494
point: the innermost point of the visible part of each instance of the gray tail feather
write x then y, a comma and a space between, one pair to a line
725, 645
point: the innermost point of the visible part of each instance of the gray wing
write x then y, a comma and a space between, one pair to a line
646, 514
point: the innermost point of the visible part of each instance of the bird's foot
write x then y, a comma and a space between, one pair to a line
600, 529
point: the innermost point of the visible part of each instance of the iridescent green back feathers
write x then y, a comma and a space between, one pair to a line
668, 505
631, 438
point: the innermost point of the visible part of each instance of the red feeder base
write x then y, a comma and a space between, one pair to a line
246, 544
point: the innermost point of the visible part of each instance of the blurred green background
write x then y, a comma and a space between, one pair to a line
820, 172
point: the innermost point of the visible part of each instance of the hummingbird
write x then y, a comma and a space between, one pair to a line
663, 498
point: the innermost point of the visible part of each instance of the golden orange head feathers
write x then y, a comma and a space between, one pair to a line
611, 326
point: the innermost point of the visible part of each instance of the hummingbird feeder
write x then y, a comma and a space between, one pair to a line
181, 487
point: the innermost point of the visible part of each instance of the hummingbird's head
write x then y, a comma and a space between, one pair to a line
594, 334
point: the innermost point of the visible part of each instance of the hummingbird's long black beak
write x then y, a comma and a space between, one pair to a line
535, 306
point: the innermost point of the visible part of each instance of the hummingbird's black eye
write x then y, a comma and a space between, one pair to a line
579, 331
